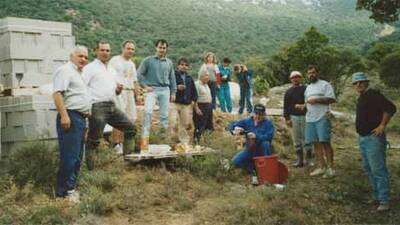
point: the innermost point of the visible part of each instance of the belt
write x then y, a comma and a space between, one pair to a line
84, 115
104, 103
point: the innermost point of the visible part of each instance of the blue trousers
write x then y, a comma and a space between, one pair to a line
373, 153
224, 98
71, 149
244, 158
245, 97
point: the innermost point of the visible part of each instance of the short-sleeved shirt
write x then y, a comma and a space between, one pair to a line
68, 80
203, 92
319, 89
101, 81
125, 71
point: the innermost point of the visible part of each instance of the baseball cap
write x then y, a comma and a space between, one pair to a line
295, 74
259, 109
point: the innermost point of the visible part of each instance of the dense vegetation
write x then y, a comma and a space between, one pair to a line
230, 28
383, 11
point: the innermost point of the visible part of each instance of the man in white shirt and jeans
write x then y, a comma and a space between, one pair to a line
318, 96
73, 105
127, 76
103, 88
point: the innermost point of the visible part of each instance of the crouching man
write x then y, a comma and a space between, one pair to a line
259, 132
73, 105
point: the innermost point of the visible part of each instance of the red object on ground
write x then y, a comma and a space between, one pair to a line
270, 170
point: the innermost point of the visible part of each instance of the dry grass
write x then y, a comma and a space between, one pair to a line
201, 191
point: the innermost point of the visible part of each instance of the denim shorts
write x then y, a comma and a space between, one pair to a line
319, 131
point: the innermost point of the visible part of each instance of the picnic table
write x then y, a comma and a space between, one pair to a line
155, 153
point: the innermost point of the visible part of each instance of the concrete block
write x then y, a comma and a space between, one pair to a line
32, 47
15, 119
3, 120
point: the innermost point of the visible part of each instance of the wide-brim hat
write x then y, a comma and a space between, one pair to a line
359, 76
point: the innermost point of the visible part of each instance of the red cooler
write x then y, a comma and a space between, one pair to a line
267, 168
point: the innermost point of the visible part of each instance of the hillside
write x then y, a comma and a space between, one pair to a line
236, 28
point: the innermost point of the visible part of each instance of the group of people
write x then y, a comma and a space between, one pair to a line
307, 111
104, 90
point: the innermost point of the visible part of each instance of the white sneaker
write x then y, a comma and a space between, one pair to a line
73, 196
226, 164
118, 149
318, 171
254, 180
329, 173
383, 207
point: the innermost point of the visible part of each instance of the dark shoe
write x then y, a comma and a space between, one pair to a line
299, 162
309, 158
90, 162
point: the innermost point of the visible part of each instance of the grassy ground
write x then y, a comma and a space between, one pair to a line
195, 190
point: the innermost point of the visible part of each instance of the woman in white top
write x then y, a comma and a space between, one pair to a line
210, 64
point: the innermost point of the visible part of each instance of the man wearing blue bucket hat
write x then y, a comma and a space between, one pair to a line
259, 132
373, 113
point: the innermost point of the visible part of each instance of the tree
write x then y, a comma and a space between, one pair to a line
389, 70
380, 50
335, 65
383, 11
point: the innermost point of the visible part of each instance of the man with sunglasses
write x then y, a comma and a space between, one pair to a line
374, 112
157, 76
182, 109
100, 78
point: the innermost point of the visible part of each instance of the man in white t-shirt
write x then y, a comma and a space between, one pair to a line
73, 106
126, 75
318, 96
103, 88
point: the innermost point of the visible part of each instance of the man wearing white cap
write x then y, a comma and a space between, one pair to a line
374, 112
295, 117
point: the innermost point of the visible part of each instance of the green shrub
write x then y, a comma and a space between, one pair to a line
49, 214
97, 202
36, 163
105, 180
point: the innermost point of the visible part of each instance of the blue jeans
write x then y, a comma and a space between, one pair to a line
71, 149
246, 95
160, 95
224, 98
244, 158
373, 153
